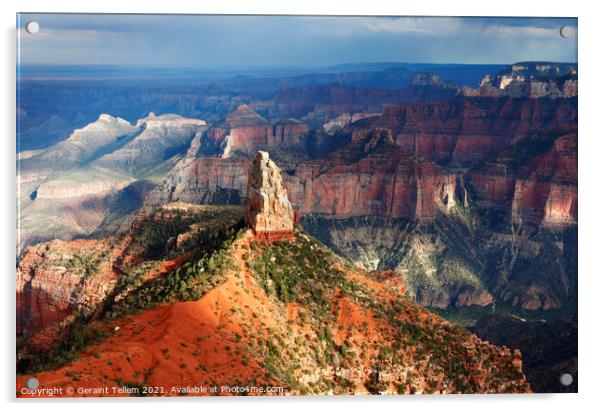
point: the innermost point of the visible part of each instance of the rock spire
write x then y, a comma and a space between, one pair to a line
267, 208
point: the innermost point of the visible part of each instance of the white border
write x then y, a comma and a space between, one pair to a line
590, 189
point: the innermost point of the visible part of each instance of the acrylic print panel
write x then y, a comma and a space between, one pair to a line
281, 205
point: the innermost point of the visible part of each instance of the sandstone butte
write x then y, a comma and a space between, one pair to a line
267, 209
244, 131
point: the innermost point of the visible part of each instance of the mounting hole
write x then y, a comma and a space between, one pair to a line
566, 379
33, 383
566, 32
32, 27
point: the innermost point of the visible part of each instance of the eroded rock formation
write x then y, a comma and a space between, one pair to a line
160, 137
464, 132
372, 176
530, 80
541, 191
267, 209
57, 278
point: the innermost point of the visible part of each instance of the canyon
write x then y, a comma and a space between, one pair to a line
485, 163
457, 199
501, 163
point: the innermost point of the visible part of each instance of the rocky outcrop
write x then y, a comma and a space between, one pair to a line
267, 209
422, 79
58, 278
529, 80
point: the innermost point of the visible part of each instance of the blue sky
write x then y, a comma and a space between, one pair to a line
287, 41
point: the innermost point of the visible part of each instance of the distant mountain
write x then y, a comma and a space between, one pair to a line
160, 138
77, 94
529, 79
98, 175
80, 148
459, 74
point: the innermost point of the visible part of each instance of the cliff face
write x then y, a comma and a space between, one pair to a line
465, 131
372, 176
340, 122
57, 278
438, 263
79, 185
457, 260
538, 189
268, 211
289, 134
244, 132
208, 180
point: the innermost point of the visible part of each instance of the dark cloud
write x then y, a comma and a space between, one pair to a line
247, 41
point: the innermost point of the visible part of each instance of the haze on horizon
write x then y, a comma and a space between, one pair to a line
213, 42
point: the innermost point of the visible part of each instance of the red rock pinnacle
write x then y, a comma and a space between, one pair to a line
268, 210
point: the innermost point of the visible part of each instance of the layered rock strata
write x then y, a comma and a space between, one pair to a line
267, 208
464, 132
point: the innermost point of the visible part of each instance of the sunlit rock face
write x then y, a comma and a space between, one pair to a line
529, 80
160, 137
372, 176
541, 192
268, 211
